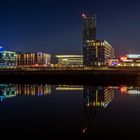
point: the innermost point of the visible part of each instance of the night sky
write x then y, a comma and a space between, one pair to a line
55, 26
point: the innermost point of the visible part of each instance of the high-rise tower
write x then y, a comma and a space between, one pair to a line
89, 31
95, 52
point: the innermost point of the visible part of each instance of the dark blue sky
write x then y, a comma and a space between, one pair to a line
55, 26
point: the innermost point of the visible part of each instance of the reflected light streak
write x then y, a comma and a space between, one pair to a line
66, 88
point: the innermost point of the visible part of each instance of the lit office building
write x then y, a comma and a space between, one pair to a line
89, 33
43, 58
97, 53
28, 59
7, 58
70, 60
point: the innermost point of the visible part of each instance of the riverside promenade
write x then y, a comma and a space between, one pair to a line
71, 76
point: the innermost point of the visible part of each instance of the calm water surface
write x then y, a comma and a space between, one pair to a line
46, 110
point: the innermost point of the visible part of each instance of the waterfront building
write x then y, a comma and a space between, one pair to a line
70, 60
89, 33
130, 60
97, 52
24, 59
7, 58
43, 58
30, 59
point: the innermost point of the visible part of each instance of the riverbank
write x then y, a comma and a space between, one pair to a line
95, 77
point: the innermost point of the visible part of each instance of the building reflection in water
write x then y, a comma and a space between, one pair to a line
6, 91
97, 96
94, 98
69, 88
33, 89
129, 90
11, 90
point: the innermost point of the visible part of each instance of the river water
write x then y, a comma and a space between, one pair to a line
72, 110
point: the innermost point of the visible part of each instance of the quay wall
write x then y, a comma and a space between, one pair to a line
98, 77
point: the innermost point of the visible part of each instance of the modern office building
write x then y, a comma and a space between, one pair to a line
89, 29
28, 59
70, 60
7, 58
97, 52
89, 33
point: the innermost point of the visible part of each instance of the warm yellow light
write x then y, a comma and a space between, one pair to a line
66, 88
69, 56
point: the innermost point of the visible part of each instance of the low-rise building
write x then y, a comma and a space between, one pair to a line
97, 52
7, 58
29, 59
70, 60
130, 60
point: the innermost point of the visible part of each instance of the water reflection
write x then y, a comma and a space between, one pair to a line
6, 91
92, 100
129, 90
98, 96
11, 90
34, 90
69, 88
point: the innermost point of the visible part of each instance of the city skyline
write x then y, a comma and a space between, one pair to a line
56, 26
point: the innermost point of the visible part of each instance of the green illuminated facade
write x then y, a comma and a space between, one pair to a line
7, 58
